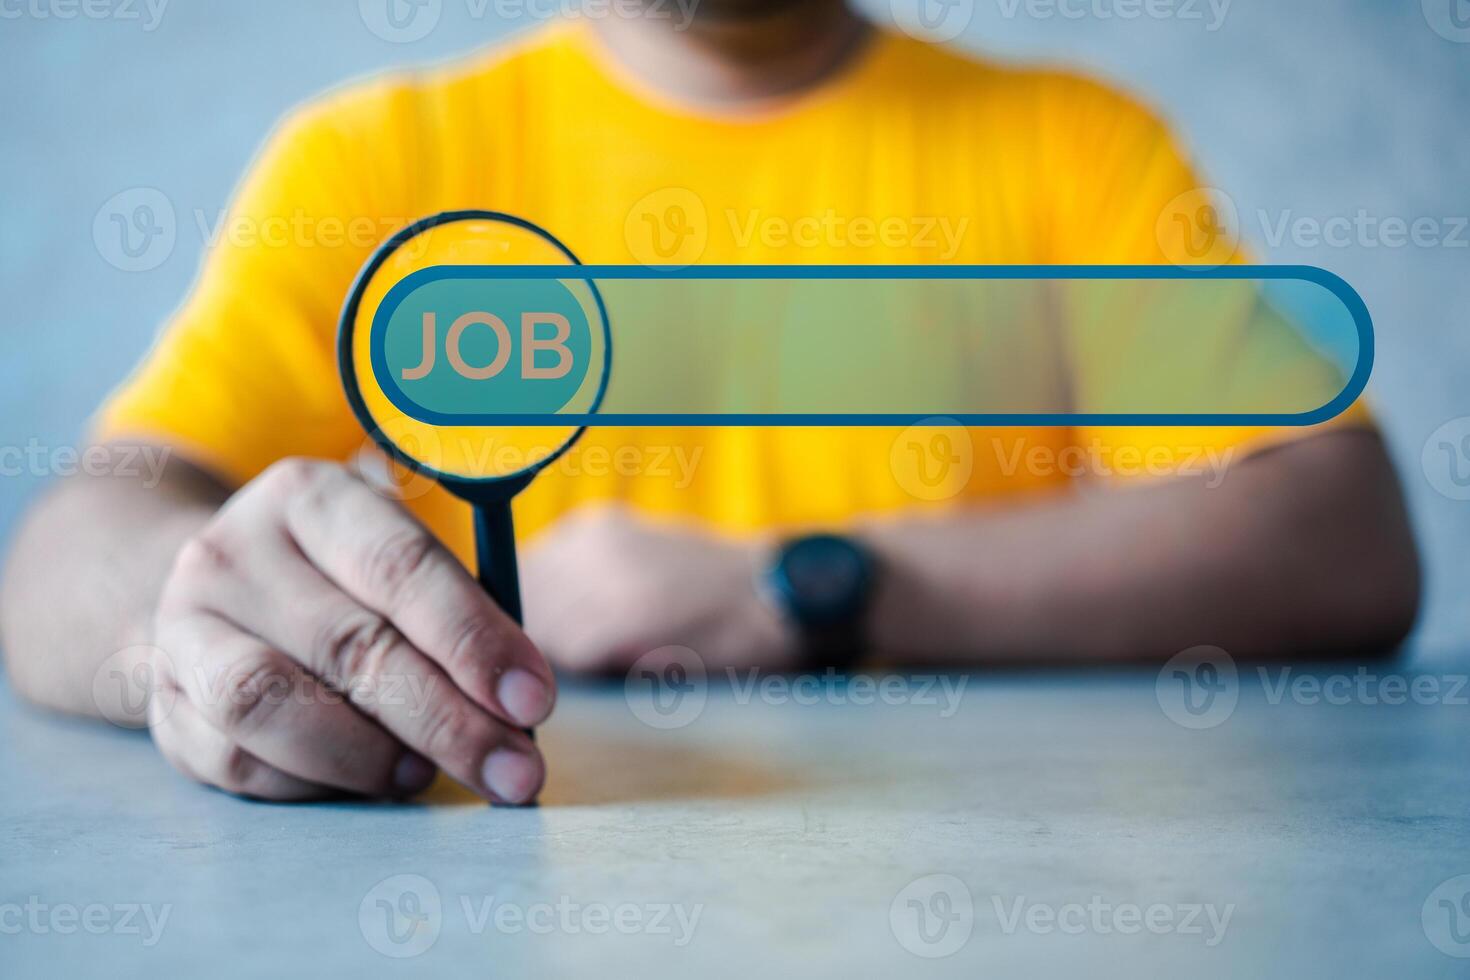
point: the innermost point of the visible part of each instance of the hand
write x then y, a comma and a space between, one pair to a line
604, 587
320, 640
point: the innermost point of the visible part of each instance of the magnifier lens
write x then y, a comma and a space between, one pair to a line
441, 367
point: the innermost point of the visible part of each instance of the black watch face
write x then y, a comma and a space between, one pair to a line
825, 578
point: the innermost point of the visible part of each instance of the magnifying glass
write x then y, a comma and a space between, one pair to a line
453, 336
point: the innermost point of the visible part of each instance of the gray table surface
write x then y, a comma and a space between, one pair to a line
1050, 824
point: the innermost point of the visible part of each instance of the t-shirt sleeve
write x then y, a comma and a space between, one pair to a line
245, 372
1122, 191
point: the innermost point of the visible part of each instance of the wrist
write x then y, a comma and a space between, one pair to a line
766, 625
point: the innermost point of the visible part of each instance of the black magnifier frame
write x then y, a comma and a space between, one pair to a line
490, 497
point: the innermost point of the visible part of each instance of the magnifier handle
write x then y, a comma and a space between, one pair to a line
495, 554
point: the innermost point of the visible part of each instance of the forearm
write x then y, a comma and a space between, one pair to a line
83, 577
1302, 549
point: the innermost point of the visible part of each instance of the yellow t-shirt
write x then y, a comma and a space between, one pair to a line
912, 154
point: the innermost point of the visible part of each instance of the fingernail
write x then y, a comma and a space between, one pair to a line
524, 696
513, 777
412, 774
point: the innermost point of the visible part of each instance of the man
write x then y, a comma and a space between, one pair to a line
262, 562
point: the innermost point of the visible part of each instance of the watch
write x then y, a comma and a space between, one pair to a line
822, 583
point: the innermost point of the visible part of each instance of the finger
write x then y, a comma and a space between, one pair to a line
385, 559
293, 608
204, 754
266, 703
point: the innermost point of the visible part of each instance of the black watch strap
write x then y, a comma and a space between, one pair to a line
823, 583
834, 646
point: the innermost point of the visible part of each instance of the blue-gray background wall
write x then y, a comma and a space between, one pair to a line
1300, 109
